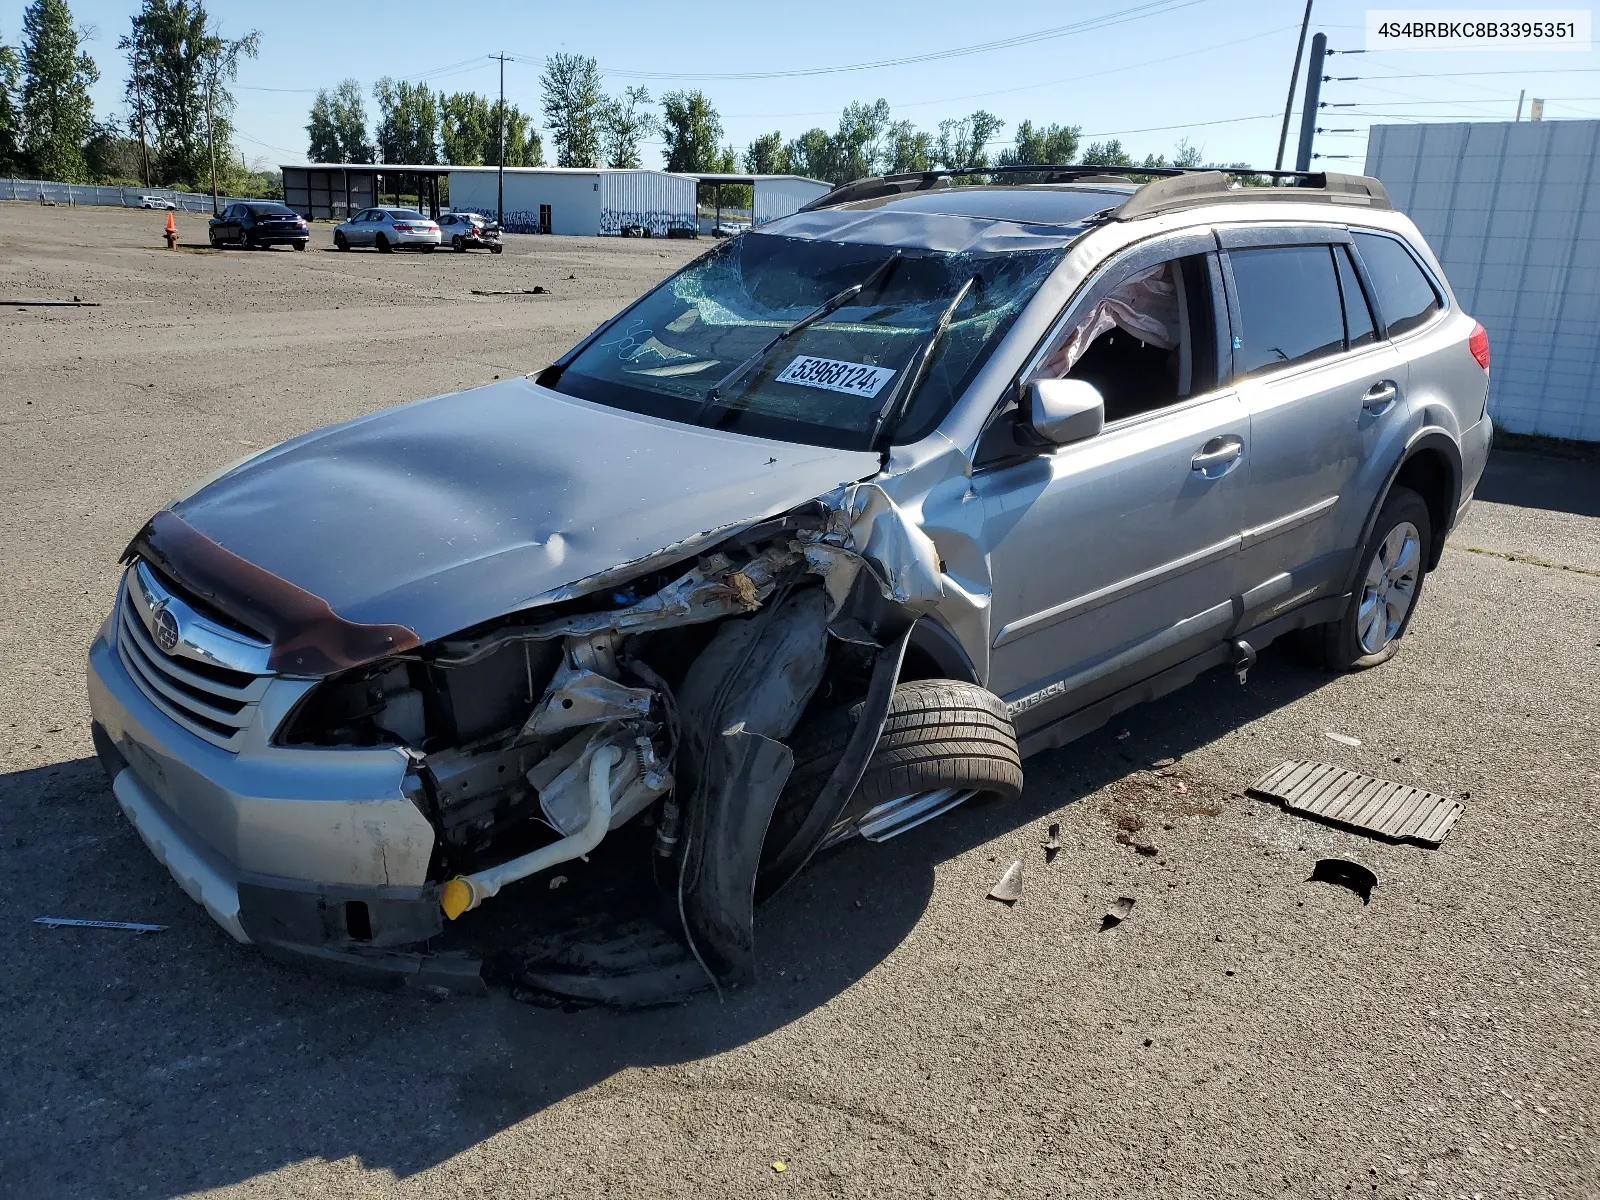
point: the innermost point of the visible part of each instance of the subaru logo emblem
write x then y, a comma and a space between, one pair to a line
165, 629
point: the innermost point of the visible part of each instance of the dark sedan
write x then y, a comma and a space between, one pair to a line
259, 224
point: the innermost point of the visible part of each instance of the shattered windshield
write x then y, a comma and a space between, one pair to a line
831, 382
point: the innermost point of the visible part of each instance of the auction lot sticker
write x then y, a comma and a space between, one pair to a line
854, 379
1478, 29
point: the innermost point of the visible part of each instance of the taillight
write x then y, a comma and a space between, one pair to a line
402, 228
1478, 343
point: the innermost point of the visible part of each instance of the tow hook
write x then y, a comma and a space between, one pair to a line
1244, 657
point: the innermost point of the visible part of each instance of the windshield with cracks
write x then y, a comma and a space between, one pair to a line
830, 382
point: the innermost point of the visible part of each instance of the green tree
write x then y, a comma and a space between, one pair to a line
523, 147
338, 127
408, 122
963, 144
767, 155
908, 149
179, 67
1107, 154
858, 143
573, 100
111, 156
1042, 144
10, 117
812, 154
468, 129
624, 122
57, 114
692, 130
1187, 154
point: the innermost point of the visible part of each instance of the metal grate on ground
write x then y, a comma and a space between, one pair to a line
1390, 810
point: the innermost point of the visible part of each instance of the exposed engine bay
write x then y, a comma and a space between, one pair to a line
663, 702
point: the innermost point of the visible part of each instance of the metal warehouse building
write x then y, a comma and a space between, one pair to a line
579, 201
1512, 209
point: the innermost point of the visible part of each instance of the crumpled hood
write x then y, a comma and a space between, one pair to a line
451, 511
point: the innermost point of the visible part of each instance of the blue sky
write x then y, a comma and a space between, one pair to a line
1214, 71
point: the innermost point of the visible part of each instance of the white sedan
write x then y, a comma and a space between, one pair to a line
388, 229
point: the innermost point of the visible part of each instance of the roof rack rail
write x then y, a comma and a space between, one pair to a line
1171, 188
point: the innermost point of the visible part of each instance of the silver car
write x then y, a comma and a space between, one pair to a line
388, 229
468, 231
818, 539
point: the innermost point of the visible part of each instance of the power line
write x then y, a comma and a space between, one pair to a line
1120, 17
1151, 62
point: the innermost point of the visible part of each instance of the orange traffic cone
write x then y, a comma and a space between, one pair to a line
172, 232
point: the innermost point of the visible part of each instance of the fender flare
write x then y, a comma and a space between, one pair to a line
1429, 439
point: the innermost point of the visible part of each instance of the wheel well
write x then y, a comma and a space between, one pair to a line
1430, 474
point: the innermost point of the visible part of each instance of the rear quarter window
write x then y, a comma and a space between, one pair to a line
1406, 297
1288, 305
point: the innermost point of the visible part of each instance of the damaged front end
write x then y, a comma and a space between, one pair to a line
664, 701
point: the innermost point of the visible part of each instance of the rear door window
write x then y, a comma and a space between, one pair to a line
1359, 328
1289, 307
1406, 298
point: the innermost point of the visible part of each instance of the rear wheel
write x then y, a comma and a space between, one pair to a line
496, 249
429, 248
1387, 589
299, 245
383, 245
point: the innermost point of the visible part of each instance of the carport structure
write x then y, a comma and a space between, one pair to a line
336, 191
772, 196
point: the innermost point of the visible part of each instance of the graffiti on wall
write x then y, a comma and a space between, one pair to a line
658, 222
522, 221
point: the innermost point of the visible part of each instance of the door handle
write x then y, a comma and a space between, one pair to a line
1217, 457
1380, 396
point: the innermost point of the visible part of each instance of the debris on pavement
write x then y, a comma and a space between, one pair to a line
79, 923
1124, 735
1117, 913
75, 302
779, 1165
1344, 739
1052, 842
1342, 872
1009, 890
1377, 806
557, 882
533, 291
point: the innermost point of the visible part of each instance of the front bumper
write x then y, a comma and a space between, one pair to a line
309, 850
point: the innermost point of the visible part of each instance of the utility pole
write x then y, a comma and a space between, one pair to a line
1520, 97
1308, 117
144, 147
211, 136
1294, 80
500, 157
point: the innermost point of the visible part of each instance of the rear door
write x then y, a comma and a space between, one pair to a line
1318, 383
1116, 557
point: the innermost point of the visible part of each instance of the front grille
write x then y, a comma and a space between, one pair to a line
211, 701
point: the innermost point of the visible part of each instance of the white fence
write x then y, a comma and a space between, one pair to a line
43, 191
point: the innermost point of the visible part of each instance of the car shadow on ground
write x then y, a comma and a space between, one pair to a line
164, 1063
1537, 481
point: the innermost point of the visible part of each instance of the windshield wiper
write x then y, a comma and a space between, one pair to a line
879, 274
900, 397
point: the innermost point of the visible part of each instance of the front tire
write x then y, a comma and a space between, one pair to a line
1393, 566
340, 242
457, 244
939, 734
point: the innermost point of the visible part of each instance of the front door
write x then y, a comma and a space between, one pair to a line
1116, 557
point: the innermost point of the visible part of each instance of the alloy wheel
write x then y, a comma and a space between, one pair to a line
1390, 588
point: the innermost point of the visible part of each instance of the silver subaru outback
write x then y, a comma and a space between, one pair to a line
817, 539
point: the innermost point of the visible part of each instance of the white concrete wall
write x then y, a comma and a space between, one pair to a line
782, 196
573, 196
1512, 209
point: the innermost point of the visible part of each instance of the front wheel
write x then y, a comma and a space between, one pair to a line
1387, 589
340, 242
457, 244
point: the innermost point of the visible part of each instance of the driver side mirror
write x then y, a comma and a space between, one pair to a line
1059, 411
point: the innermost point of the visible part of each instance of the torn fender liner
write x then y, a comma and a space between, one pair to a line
747, 688
847, 772
307, 636
745, 773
